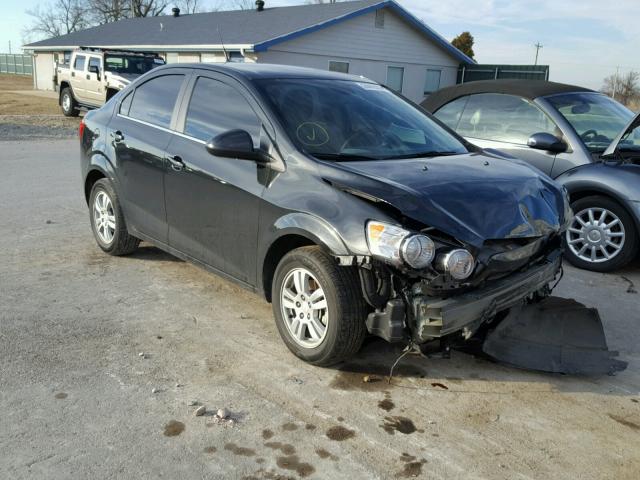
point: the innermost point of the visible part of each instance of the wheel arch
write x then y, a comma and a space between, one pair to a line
64, 84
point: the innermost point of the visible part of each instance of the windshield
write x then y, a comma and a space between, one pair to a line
349, 120
596, 118
130, 63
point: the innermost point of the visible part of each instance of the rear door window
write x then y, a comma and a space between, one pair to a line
450, 114
216, 107
78, 63
503, 118
154, 100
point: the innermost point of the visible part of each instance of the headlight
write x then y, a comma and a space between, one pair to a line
458, 263
417, 251
398, 245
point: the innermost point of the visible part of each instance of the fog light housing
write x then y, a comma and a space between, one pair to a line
458, 263
418, 251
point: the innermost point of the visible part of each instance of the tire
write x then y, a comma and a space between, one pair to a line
620, 231
345, 306
68, 103
117, 241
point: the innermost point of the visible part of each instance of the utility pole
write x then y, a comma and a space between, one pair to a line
538, 47
9, 47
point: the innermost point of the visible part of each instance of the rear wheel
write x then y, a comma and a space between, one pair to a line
602, 236
68, 103
107, 220
318, 306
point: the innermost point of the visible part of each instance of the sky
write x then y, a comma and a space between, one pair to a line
583, 40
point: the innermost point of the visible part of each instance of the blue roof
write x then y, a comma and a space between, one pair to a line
259, 30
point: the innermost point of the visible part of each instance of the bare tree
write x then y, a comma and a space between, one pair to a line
105, 11
189, 6
623, 87
148, 8
56, 18
243, 5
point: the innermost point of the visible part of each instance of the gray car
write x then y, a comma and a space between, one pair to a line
568, 132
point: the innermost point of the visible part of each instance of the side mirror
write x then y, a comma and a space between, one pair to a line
235, 144
546, 141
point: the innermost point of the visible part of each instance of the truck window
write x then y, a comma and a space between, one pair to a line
135, 64
94, 62
78, 63
154, 100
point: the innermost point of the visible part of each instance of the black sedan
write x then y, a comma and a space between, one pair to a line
343, 204
564, 131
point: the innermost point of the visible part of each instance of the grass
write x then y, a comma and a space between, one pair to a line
12, 103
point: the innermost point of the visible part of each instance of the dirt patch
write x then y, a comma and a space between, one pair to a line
324, 454
240, 451
340, 433
371, 378
173, 428
292, 462
289, 427
439, 385
285, 448
61, 395
412, 469
267, 434
309, 426
403, 425
210, 450
387, 404
625, 422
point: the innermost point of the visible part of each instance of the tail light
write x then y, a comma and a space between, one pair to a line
81, 129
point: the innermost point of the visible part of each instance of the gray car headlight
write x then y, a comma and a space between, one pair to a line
398, 246
458, 263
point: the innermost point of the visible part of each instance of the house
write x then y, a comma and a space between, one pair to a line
377, 39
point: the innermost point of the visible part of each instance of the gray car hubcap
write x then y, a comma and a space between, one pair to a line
304, 308
66, 102
104, 218
596, 235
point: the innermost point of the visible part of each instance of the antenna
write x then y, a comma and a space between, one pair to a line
226, 56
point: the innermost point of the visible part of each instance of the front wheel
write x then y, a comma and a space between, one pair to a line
68, 103
602, 236
318, 306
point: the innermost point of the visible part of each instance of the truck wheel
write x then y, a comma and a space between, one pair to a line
318, 306
68, 103
107, 220
602, 236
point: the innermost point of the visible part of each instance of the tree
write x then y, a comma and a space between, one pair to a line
148, 8
243, 5
189, 6
105, 11
623, 87
464, 43
56, 18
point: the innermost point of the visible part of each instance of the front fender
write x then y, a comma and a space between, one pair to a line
313, 228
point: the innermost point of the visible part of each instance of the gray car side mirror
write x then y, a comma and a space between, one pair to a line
546, 141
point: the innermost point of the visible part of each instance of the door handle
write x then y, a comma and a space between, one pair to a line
117, 136
88, 77
176, 162
73, 74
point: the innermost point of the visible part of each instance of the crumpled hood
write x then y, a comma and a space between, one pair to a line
472, 197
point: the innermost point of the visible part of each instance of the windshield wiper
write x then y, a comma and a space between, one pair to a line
342, 157
431, 153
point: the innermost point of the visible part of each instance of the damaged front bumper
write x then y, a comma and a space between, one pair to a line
436, 317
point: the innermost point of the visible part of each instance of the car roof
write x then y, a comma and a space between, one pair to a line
529, 89
254, 71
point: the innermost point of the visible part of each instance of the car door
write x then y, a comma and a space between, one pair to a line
94, 93
502, 122
213, 202
139, 134
77, 77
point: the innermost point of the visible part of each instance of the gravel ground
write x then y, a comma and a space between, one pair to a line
37, 127
78, 401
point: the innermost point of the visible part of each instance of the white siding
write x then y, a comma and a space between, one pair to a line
369, 50
44, 69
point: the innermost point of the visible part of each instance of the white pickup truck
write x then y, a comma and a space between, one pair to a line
93, 76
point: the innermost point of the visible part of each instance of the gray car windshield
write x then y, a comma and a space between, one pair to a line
596, 118
350, 120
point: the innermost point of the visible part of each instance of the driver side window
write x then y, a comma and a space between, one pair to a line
503, 118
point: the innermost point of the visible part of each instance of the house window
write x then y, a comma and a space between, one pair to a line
342, 67
395, 77
236, 57
432, 82
379, 18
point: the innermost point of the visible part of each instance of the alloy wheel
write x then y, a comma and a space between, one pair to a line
304, 308
596, 235
104, 218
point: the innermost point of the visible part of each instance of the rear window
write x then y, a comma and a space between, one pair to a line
154, 100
